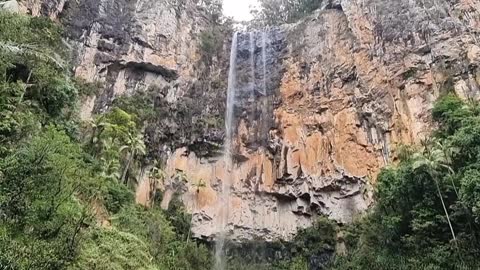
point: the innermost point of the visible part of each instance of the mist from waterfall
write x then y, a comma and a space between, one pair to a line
237, 88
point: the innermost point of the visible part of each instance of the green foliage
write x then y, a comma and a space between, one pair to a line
117, 196
56, 190
276, 12
87, 89
298, 263
40, 215
470, 192
178, 217
110, 249
120, 125
32, 40
451, 112
140, 104
214, 9
150, 226
35, 87
32, 52
188, 256
114, 139
211, 42
15, 120
311, 247
316, 240
242, 264
426, 216
169, 249
213, 38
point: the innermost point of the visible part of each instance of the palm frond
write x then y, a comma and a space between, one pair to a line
29, 49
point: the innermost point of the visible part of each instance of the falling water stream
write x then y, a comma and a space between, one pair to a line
233, 92
264, 61
252, 63
225, 201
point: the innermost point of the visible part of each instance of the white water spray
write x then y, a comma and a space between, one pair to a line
223, 206
264, 60
235, 86
252, 62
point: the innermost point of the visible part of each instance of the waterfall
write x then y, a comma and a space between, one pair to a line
225, 196
264, 61
252, 62
242, 59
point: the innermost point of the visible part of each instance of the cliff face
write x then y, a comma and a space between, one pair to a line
355, 80
147, 46
345, 87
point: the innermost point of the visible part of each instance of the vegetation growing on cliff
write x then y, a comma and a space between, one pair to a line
312, 248
277, 12
426, 214
65, 201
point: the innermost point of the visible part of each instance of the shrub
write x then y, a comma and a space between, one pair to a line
117, 196
276, 12
110, 249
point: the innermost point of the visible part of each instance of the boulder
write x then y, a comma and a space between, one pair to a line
10, 6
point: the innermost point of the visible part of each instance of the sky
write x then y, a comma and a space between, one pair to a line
238, 9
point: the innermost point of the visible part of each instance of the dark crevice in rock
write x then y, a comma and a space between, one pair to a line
334, 4
168, 74
48, 7
142, 43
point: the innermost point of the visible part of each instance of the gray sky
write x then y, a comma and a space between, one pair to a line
238, 9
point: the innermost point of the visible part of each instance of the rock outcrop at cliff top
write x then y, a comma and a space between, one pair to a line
346, 86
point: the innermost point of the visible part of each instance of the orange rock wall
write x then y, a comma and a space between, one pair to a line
352, 90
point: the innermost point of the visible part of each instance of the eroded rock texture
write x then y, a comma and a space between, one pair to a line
348, 85
344, 88
148, 45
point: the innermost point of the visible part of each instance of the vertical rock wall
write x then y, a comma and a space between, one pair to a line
351, 83
137, 46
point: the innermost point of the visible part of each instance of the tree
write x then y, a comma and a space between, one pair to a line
112, 134
134, 147
156, 175
55, 191
433, 161
108, 159
96, 126
214, 9
35, 87
409, 219
276, 12
31, 50
39, 212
